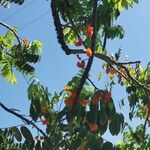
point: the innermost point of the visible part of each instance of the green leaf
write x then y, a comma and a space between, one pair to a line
95, 142
16, 133
102, 117
115, 125
103, 128
38, 146
27, 134
76, 143
107, 146
33, 112
119, 6
1, 139
99, 76
94, 112
70, 36
36, 46
7, 71
113, 128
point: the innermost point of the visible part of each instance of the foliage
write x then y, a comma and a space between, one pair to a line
81, 127
18, 56
5, 3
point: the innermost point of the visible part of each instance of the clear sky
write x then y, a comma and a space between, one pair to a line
55, 68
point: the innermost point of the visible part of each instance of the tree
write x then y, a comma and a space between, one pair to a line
88, 111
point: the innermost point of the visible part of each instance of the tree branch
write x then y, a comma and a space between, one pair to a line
19, 125
58, 28
130, 62
29, 122
8, 27
113, 62
89, 64
92, 83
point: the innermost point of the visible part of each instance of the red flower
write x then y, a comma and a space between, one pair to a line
89, 31
106, 97
93, 126
45, 121
83, 102
81, 64
79, 42
25, 42
95, 99
69, 101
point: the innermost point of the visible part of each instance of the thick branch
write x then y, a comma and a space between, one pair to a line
58, 28
8, 27
29, 122
89, 64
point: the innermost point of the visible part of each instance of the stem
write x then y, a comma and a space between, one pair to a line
92, 83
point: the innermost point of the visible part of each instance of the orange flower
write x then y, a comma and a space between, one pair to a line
25, 42
44, 121
93, 126
88, 52
67, 88
83, 102
44, 109
89, 31
69, 101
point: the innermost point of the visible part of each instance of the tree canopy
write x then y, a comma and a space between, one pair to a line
86, 112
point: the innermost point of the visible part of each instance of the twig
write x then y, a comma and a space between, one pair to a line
8, 27
113, 62
126, 78
77, 51
130, 62
92, 83
104, 42
29, 122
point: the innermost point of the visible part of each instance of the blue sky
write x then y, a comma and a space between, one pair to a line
55, 68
